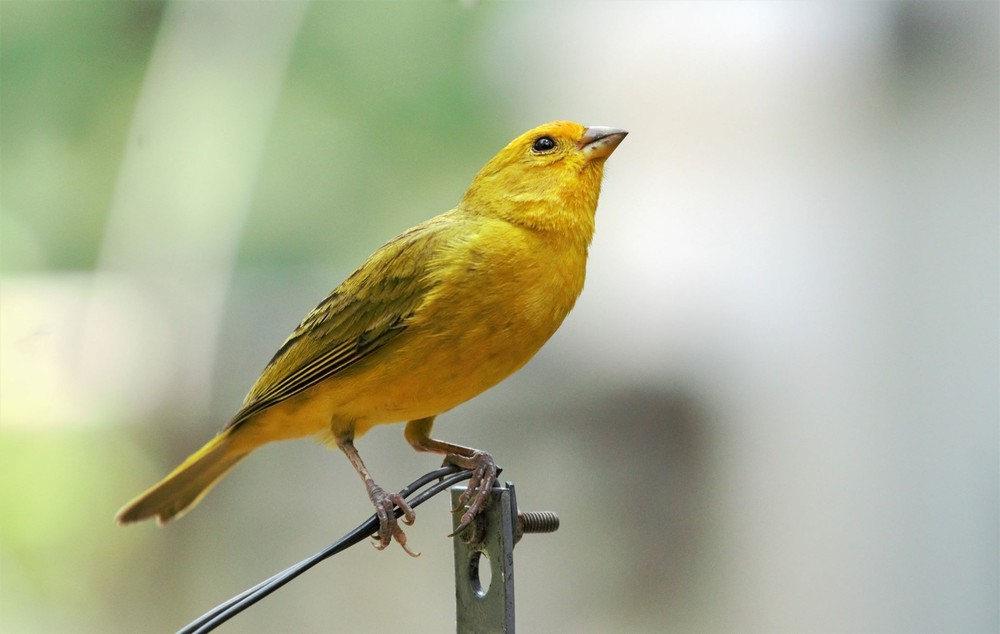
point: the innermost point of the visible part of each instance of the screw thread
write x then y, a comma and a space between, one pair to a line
538, 521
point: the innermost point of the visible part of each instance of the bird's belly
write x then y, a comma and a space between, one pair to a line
424, 380
429, 369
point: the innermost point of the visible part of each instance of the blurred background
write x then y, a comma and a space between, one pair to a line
774, 408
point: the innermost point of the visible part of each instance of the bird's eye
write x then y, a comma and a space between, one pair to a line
543, 144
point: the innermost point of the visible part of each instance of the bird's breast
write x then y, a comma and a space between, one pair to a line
508, 293
496, 302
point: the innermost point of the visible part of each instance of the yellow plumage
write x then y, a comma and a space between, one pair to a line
440, 313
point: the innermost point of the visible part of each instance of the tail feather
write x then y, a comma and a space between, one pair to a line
187, 484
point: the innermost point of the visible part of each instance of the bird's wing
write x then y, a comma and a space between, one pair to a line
367, 311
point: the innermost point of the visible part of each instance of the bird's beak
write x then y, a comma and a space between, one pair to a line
599, 142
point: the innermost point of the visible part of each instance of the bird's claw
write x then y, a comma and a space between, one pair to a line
475, 496
388, 526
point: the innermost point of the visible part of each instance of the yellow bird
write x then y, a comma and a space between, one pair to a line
437, 315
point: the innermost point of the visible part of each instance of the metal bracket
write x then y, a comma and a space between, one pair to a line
484, 560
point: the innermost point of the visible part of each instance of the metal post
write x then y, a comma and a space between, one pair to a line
488, 544
485, 604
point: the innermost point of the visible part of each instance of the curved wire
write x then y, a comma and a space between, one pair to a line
446, 476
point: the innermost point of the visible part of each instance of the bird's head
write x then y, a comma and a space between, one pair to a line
549, 178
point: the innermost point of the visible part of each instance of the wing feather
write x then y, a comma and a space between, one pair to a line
367, 311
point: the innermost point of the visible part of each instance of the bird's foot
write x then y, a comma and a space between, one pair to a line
388, 526
475, 496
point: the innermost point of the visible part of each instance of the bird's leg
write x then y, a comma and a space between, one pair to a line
482, 465
388, 527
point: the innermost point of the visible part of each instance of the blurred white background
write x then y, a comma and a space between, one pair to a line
774, 408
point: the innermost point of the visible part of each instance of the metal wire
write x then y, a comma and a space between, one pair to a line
445, 476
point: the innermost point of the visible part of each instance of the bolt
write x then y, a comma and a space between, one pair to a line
535, 522
538, 521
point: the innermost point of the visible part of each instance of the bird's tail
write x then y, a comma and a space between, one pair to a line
188, 483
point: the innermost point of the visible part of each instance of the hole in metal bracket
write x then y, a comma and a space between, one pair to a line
480, 577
